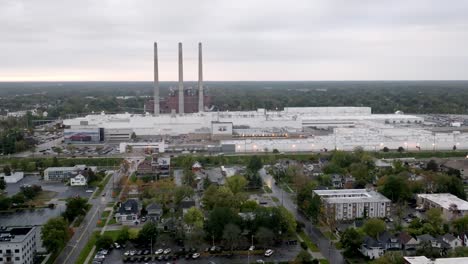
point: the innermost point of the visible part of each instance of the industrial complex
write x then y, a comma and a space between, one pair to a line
292, 129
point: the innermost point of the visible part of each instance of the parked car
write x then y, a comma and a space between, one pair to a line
195, 255
269, 252
159, 251
167, 251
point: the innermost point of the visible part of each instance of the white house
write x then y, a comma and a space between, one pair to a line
453, 241
372, 248
78, 180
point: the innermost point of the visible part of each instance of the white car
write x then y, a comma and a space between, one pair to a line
260, 261
167, 251
127, 253
269, 252
159, 251
252, 248
195, 255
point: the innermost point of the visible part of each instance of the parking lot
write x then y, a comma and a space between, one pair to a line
283, 253
62, 191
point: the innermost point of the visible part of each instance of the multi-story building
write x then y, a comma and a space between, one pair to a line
17, 245
348, 204
451, 206
65, 173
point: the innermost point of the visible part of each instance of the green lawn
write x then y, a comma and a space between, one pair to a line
308, 242
330, 235
103, 219
275, 199
113, 233
85, 252
323, 261
267, 189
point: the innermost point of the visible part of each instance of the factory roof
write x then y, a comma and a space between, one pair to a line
446, 200
350, 195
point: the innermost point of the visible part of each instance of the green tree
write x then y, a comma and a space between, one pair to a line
124, 235
231, 234
2, 184
75, 206
351, 240
194, 218
373, 227
5, 202
434, 218
396, 188
390, 258
217, 219
148, 233
104, 241
55, 234
55, 162
181, 192
287, 220
264, 236
304, 257
432, 166
236, 183
7, 170
255, 164
461, 224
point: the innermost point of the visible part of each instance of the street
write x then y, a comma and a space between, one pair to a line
82, 234
326, 247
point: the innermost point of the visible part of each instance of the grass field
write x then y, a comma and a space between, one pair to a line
85, 252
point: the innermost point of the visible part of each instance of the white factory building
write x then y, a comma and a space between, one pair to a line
264, 130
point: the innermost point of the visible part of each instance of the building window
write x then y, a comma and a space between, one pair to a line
16, 250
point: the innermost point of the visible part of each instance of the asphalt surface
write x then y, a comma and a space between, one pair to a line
82, 234
326, 247
285, 253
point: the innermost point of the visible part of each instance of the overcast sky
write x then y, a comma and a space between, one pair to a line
242, 40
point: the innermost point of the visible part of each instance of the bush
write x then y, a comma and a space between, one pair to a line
303, 245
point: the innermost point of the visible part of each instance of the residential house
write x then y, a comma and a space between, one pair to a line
408, 242
427, 239
459, 165
78, 180
128, 212
162, 166
337, 181
372, 248
145, 168
390, 241
452, 241
196, 167
464, 238
186, 204
155, 212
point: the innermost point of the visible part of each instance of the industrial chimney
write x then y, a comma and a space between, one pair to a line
181, 81
156, 80
201, 106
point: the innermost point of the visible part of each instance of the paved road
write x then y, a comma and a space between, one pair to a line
82, 234
326, 247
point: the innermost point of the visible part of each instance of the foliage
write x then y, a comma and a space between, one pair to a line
307, 202
124, 235
55, 234
194, 217
373, 227
217, 219
236, 183
148, 233
75, 206
390, 258
104, 241
221, 197
304, 257
461, 224
181, 192
231, 234
264, 236
395, 188
5, 202
2, 184
255, 164
351, 240
7, 170
30, 191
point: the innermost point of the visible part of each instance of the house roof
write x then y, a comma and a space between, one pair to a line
404, 237
129, 207
154, 207
457, 164
425, 237
187, 203
370, 242
449, 237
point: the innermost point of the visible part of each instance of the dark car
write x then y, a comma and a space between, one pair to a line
161, 257
146, 252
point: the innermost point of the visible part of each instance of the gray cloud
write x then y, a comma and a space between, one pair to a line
243, 40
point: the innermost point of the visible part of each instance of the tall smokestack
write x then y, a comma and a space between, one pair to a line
156, 80
201, 106
181, 81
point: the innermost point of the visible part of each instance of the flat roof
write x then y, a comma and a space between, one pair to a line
425, 260
14, 234
350, 195
445, 200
